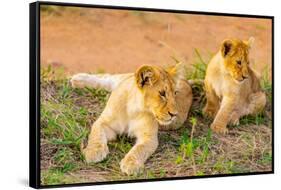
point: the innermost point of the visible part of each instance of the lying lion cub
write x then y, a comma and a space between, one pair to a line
137, 105
232, 87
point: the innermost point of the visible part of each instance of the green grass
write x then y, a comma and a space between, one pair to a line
67, 115
65, 121
198, 68
266, 158
53, 177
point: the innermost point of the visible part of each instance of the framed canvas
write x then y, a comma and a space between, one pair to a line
123, 94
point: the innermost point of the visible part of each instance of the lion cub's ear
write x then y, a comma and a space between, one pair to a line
227, 48
250, 42
146, 76
177, 71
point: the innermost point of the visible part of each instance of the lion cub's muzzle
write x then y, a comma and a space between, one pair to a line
167, 119
242, 79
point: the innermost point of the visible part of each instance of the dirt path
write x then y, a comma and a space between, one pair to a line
89, 40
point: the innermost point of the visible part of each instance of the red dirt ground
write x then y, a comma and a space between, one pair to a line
90, 40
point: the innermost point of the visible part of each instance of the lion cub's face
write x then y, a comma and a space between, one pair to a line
236, 58
159, 89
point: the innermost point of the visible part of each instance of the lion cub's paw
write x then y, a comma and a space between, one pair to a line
130, 165
209, 112
219, 129
234, 120
77, 81
95, 153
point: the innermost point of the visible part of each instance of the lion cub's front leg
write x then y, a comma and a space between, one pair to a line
224, 115
97, 149
134, 161
146, 144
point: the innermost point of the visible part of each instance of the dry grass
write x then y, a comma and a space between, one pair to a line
67, 114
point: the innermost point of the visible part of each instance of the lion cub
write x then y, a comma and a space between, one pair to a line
138, 103
232, 87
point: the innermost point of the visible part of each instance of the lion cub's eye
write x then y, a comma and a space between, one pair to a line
162, 93
176, 92
238, 62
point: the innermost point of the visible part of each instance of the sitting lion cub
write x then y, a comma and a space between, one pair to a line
137, 105
232, 87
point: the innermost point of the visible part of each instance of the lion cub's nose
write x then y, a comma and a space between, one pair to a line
244, 77
173, 114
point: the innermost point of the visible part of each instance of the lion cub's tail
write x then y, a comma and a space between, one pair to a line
196, 81
106, 81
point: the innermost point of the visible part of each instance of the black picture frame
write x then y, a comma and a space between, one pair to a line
34, 91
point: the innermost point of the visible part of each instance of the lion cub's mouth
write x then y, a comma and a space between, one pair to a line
165, 122
240, 81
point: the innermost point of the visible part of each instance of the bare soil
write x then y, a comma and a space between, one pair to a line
117, 41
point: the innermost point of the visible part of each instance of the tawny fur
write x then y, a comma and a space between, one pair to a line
139, 103
232, 87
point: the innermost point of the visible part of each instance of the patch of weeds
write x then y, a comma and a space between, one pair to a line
224, 166
196, 74
104, 163
187, 143
179, 159
65, 91
57, 10
162, 173
266, 158
63, 155
199, 67
200, 173
266, 83
166, 137
49, 74
101, 94
52, 177
150, 174
206, 141
55, 176
257, 119
122, 144
236, 169
51, 9
66, 115
68, 166
64, 125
